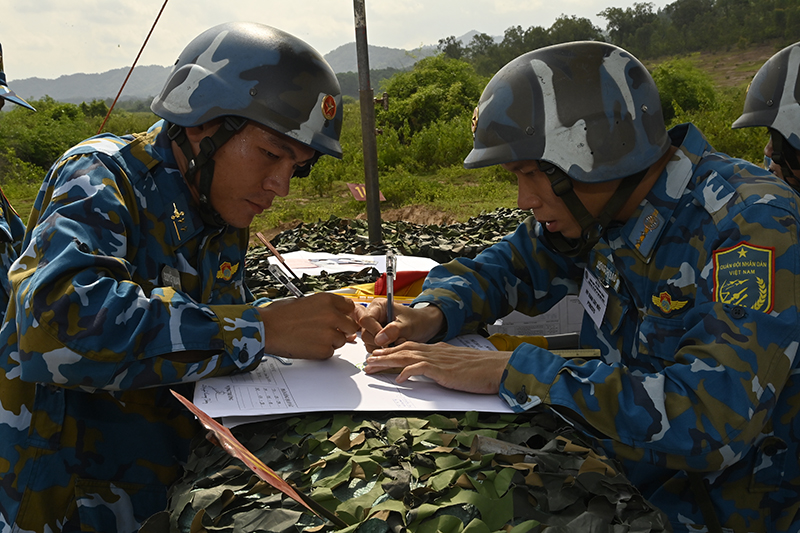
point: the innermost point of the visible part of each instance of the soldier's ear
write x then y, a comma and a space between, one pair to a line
195, 134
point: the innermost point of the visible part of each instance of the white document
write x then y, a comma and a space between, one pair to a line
313, 263
335, 384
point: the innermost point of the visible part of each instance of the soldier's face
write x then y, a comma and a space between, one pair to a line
251, 169
776, 169
536, 193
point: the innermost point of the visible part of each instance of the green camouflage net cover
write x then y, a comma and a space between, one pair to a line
383, 472
390, 472
345, 236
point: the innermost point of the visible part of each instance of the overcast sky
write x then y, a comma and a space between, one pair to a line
51, 38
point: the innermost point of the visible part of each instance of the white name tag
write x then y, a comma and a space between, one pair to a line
593, 297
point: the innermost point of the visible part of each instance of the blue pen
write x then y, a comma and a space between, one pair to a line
391, 267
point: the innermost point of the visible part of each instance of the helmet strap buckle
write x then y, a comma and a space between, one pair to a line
785, 156
592, 228
204, 161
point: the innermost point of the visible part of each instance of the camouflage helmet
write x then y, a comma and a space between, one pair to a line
5, 91
773, 97
589, 108
259, 73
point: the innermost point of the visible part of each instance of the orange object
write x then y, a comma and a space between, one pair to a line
406, 283
229, 443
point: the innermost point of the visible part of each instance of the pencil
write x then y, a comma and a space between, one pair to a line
277, 255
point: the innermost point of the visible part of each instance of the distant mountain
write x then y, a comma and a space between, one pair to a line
146, 81
345, 58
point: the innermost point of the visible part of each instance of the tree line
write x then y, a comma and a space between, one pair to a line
679, 28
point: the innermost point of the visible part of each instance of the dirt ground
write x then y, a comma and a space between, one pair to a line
415, 214
733, 67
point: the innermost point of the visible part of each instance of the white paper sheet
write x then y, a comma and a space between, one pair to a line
313, 263
335, 384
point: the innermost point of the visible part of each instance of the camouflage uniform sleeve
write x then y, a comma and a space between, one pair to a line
519, 272
84, 315
696, 390
12, 231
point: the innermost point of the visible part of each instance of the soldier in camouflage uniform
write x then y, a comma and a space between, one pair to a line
131, 282
773, 101
687, 263
12, 228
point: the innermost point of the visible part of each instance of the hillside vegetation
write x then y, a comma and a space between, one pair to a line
425, 132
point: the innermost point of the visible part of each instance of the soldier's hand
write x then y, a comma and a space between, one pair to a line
454, 367
418, 325
312, 327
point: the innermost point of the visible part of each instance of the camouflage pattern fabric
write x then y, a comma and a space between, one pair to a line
589, 108
699, 338
390, 472
257, 72
117, 271
12, 230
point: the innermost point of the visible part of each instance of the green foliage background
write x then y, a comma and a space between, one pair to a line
425, 132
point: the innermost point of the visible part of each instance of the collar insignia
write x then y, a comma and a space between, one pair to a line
646, 230
178, 217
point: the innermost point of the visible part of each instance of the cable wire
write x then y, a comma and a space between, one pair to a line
132, 67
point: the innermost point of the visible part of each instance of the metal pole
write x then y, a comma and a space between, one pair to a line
370, 145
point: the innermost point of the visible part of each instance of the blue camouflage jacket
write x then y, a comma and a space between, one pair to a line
697, 389
117, 272
12, 231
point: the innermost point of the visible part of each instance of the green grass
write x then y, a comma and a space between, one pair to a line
21, 196
453, 191
406, 175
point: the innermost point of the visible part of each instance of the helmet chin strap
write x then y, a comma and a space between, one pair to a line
204, 161
785, 155
592, 228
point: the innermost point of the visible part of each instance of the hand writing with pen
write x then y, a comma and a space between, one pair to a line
400, 345
324, 321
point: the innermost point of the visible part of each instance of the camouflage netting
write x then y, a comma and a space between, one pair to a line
345, 236
395, 472
384, 472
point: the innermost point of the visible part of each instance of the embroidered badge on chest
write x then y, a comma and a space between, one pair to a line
666, 304
226, 271
744, 276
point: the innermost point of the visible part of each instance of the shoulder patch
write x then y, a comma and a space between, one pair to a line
744, 275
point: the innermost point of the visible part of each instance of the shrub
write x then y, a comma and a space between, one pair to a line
441, 144
682, 85
715, 123
438, 88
